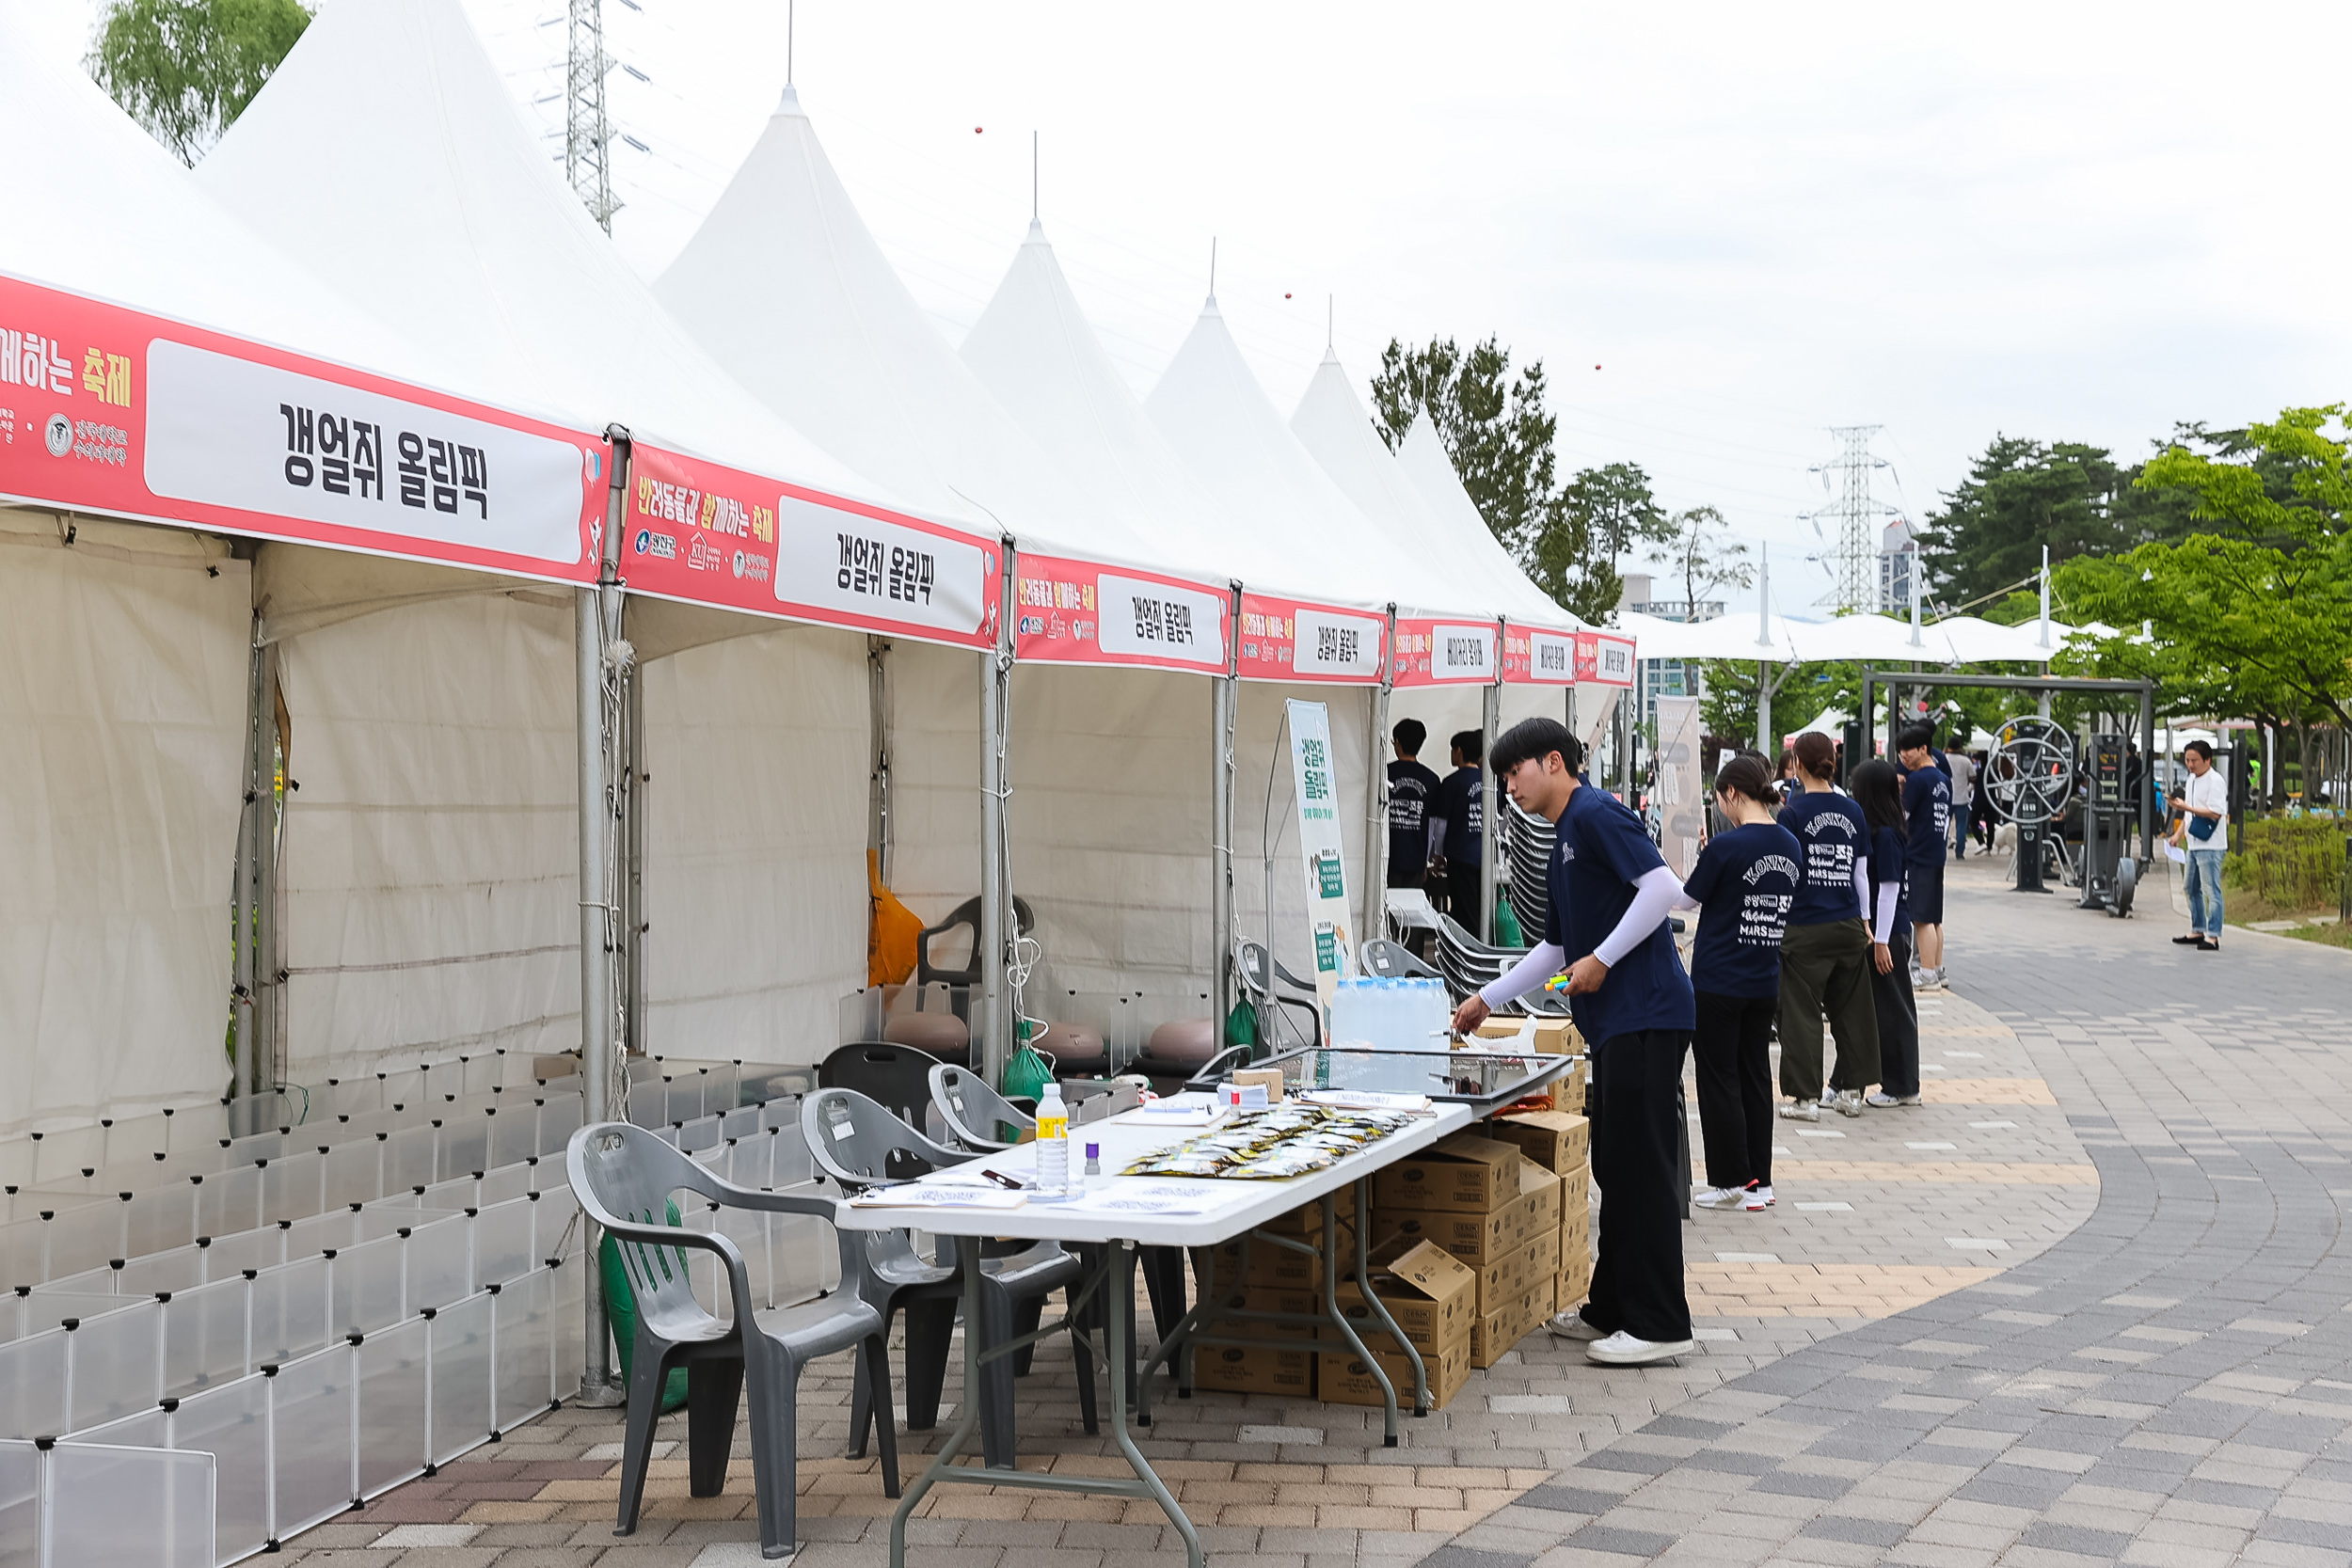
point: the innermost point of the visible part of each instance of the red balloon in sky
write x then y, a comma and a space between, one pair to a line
976, 130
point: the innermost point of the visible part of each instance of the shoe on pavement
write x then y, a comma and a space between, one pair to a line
1756, 1198
1906, 1099
2205, 945
1829, 1098
1882, 1101
1571, 1326
1800, 1110
2189, 940
1850, 1102
1623, 1349
1719, 1198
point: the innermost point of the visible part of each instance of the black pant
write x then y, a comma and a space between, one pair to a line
1461, 897
1732, 1051
1899, 1021
1637, 1160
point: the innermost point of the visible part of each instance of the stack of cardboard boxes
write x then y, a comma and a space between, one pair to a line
1274, 1279
1485, 1203
1561, 1142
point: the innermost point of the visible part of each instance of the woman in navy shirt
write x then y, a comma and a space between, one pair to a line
1825, 957
1878, 789
1743, 885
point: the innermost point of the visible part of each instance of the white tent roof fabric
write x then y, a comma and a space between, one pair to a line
1217, 419
1960, 640
461, 230
785, 286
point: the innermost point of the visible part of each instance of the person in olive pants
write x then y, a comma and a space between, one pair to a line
1825, 956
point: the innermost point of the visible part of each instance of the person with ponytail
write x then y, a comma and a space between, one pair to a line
1878, 790
1743, 886
1825, 957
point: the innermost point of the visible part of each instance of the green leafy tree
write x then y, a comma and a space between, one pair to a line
1701, 552
2251, 617
187, 68
1602, 515
2022, 495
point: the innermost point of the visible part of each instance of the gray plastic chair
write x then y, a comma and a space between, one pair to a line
969, 1104
623, 1177
860, 1144
1393, 961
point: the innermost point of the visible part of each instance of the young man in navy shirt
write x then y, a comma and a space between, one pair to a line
1927, 817
1460, 806
1633, 1004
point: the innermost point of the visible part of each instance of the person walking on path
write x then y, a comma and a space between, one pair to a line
1632, 1003
1825, 957
1982, 818
1876, 791
1460, 809
1964, 771
1742, 886
2205, 833
1927, 807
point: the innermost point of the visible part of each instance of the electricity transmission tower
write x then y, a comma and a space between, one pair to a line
1854, 558
587, 134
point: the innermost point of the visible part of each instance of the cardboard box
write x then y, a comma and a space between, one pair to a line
1574, 1283
1500, 1029
1255, 1369
1560, 1141
1260, 1298
1269, 1076
1345, 1380
1463, 1174
1576, 1193
1431, 1294
1497, 1332
1479, 1239
1516, 1273
1307, 1219
1557, 1036
1275, 1267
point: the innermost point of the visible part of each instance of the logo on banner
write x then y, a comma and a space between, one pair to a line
58, 436
661, 546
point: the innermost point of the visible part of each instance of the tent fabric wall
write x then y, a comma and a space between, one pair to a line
119, 793
429, 882
755, 844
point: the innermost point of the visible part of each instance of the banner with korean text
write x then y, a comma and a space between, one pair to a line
1078, 612
1603, 658
1445, 653
1292, 639
1533, 656
710, 534
1317, 795
109, 411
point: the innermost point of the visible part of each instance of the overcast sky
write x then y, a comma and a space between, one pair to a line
1723, 227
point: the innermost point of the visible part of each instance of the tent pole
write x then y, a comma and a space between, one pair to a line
878, 735
996, 897
633, 888
249, 832
599, 1102
268, 1001
1490, 725
1375, 921
2148, 773
1764, 709
1224, 706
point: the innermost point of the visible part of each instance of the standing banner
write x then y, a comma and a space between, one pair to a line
1292, 639
1681, 802
1445, 653
109, 411
1079, 612
710, 534
1316, 790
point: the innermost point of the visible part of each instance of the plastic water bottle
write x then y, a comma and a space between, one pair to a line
1053, 1142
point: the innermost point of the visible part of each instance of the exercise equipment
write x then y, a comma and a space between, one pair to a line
2109, 874
2032, 777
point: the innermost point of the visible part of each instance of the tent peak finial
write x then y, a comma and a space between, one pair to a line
789, 103
1330, 322
1037, 233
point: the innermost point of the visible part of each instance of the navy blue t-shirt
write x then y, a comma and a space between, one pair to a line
1927, 812
1461, 800
1830, 828
1411, 788
1891, 862
1600, 852
1745, 882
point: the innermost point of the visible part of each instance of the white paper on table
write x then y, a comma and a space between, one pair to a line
1365, 1099
1142, 1198
938, 1197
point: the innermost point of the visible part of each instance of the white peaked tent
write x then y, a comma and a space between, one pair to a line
433, 869
120, 791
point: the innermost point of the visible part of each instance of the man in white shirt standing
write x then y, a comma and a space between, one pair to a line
2205, 833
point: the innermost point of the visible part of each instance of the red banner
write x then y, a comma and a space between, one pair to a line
108, 410
1433, 651
1077, 612
1292, 640
1535, 655
1603, 658
711, 534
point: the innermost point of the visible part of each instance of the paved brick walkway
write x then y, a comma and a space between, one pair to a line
2083, 1300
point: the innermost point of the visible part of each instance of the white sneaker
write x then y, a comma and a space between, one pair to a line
1800, 1109
1882, 1101
1571, 1326
1623, 1349
1829, 1099
1850, 1102
1757, 1198
1906, 1099
1719, 1198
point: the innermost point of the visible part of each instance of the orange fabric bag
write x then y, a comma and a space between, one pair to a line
892, 931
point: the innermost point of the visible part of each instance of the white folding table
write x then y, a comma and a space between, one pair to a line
1226, 1208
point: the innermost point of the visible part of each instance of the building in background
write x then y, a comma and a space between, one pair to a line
1663, 677
1899, 557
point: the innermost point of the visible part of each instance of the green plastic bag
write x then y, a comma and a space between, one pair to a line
1507, 933
620, 1310
1026, 1074
1241, 1027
